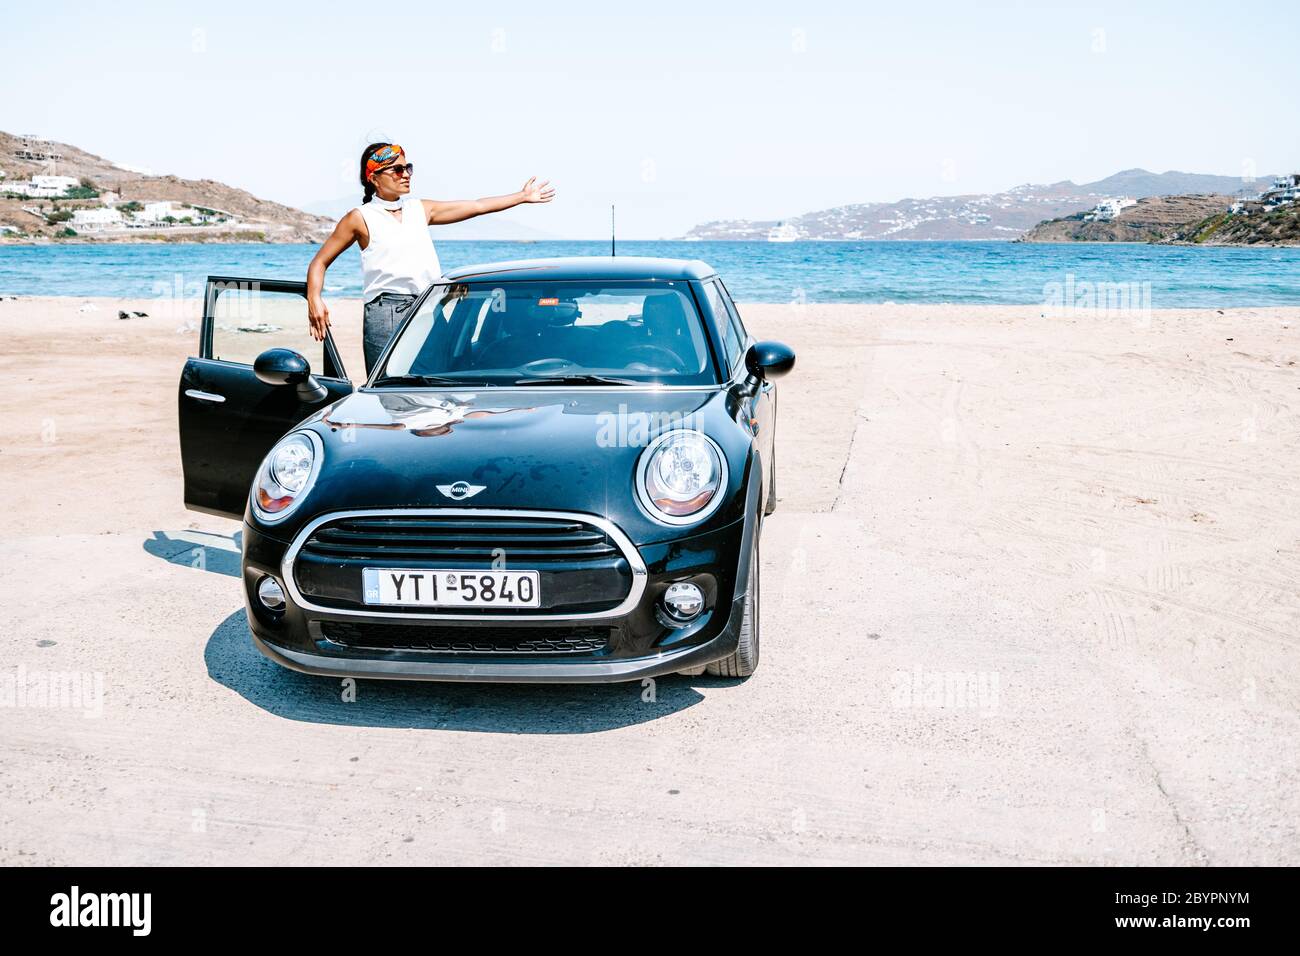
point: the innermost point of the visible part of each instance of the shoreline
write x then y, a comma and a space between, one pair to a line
1178, 243
247, 239
155, 240
1022, 309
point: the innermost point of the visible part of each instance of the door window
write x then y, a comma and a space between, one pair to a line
248, 319
734, 313
730, 343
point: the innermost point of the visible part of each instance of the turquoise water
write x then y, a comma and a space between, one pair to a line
959, 272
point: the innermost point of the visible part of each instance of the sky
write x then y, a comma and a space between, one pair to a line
676, 112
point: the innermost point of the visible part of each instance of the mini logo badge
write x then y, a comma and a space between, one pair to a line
460, 490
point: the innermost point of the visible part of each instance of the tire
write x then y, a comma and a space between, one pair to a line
744, 661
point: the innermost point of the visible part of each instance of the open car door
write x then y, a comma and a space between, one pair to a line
229, 418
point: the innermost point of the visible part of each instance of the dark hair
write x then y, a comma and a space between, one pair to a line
368, 188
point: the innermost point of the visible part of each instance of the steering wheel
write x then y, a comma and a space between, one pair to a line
657, 355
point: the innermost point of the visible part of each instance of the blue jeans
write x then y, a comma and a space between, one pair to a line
381, 317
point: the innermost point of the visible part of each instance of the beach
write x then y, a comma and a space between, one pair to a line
1030, 596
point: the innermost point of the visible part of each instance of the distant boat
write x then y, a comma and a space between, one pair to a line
782, 232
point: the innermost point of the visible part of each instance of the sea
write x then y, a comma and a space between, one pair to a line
781, 272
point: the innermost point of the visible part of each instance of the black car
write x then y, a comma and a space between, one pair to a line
558, 471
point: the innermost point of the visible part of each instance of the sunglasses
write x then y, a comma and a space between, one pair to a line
400, 169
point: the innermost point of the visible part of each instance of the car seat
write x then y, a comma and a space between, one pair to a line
665, 326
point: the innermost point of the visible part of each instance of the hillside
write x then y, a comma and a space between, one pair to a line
1140, 183
1279, 227
1004, 215
252, 218
1149, 220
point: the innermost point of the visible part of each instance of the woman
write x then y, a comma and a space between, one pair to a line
398, 260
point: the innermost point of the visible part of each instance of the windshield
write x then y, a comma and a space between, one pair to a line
587, 332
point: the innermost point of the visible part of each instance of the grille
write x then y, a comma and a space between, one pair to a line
469, 538
463, 640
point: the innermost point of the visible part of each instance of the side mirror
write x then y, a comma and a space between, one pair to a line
287, 367
769, 360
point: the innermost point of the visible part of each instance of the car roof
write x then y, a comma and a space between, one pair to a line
586, 267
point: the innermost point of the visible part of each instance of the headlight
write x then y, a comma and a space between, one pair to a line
286, 476
681, 476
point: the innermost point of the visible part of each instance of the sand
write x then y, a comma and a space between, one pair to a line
1030, 596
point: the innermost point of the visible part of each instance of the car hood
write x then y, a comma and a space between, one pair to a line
536, 448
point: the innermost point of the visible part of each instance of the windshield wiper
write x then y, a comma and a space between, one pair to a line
427, 380
575, 380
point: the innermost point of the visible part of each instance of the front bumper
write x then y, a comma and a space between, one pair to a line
319, 636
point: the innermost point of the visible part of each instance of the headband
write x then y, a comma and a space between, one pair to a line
384, 156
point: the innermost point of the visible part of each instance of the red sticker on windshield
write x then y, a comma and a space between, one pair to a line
548, 301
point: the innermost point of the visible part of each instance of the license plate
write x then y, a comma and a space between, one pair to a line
421, 587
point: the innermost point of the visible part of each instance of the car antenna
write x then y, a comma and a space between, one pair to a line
613, 250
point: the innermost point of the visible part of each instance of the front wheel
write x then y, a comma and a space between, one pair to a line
744, 661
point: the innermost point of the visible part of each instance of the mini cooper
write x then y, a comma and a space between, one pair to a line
557, 471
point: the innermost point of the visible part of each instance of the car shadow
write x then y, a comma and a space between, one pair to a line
234, 662
202, 550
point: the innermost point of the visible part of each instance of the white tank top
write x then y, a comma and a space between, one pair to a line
400, 257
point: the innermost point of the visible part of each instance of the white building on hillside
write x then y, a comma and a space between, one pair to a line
42, 187
55, 182
1284, 191
37, 147
156, 212
1108, 209
97, 220
206, 216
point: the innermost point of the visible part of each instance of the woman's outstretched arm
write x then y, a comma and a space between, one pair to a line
350, 229
440, 212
